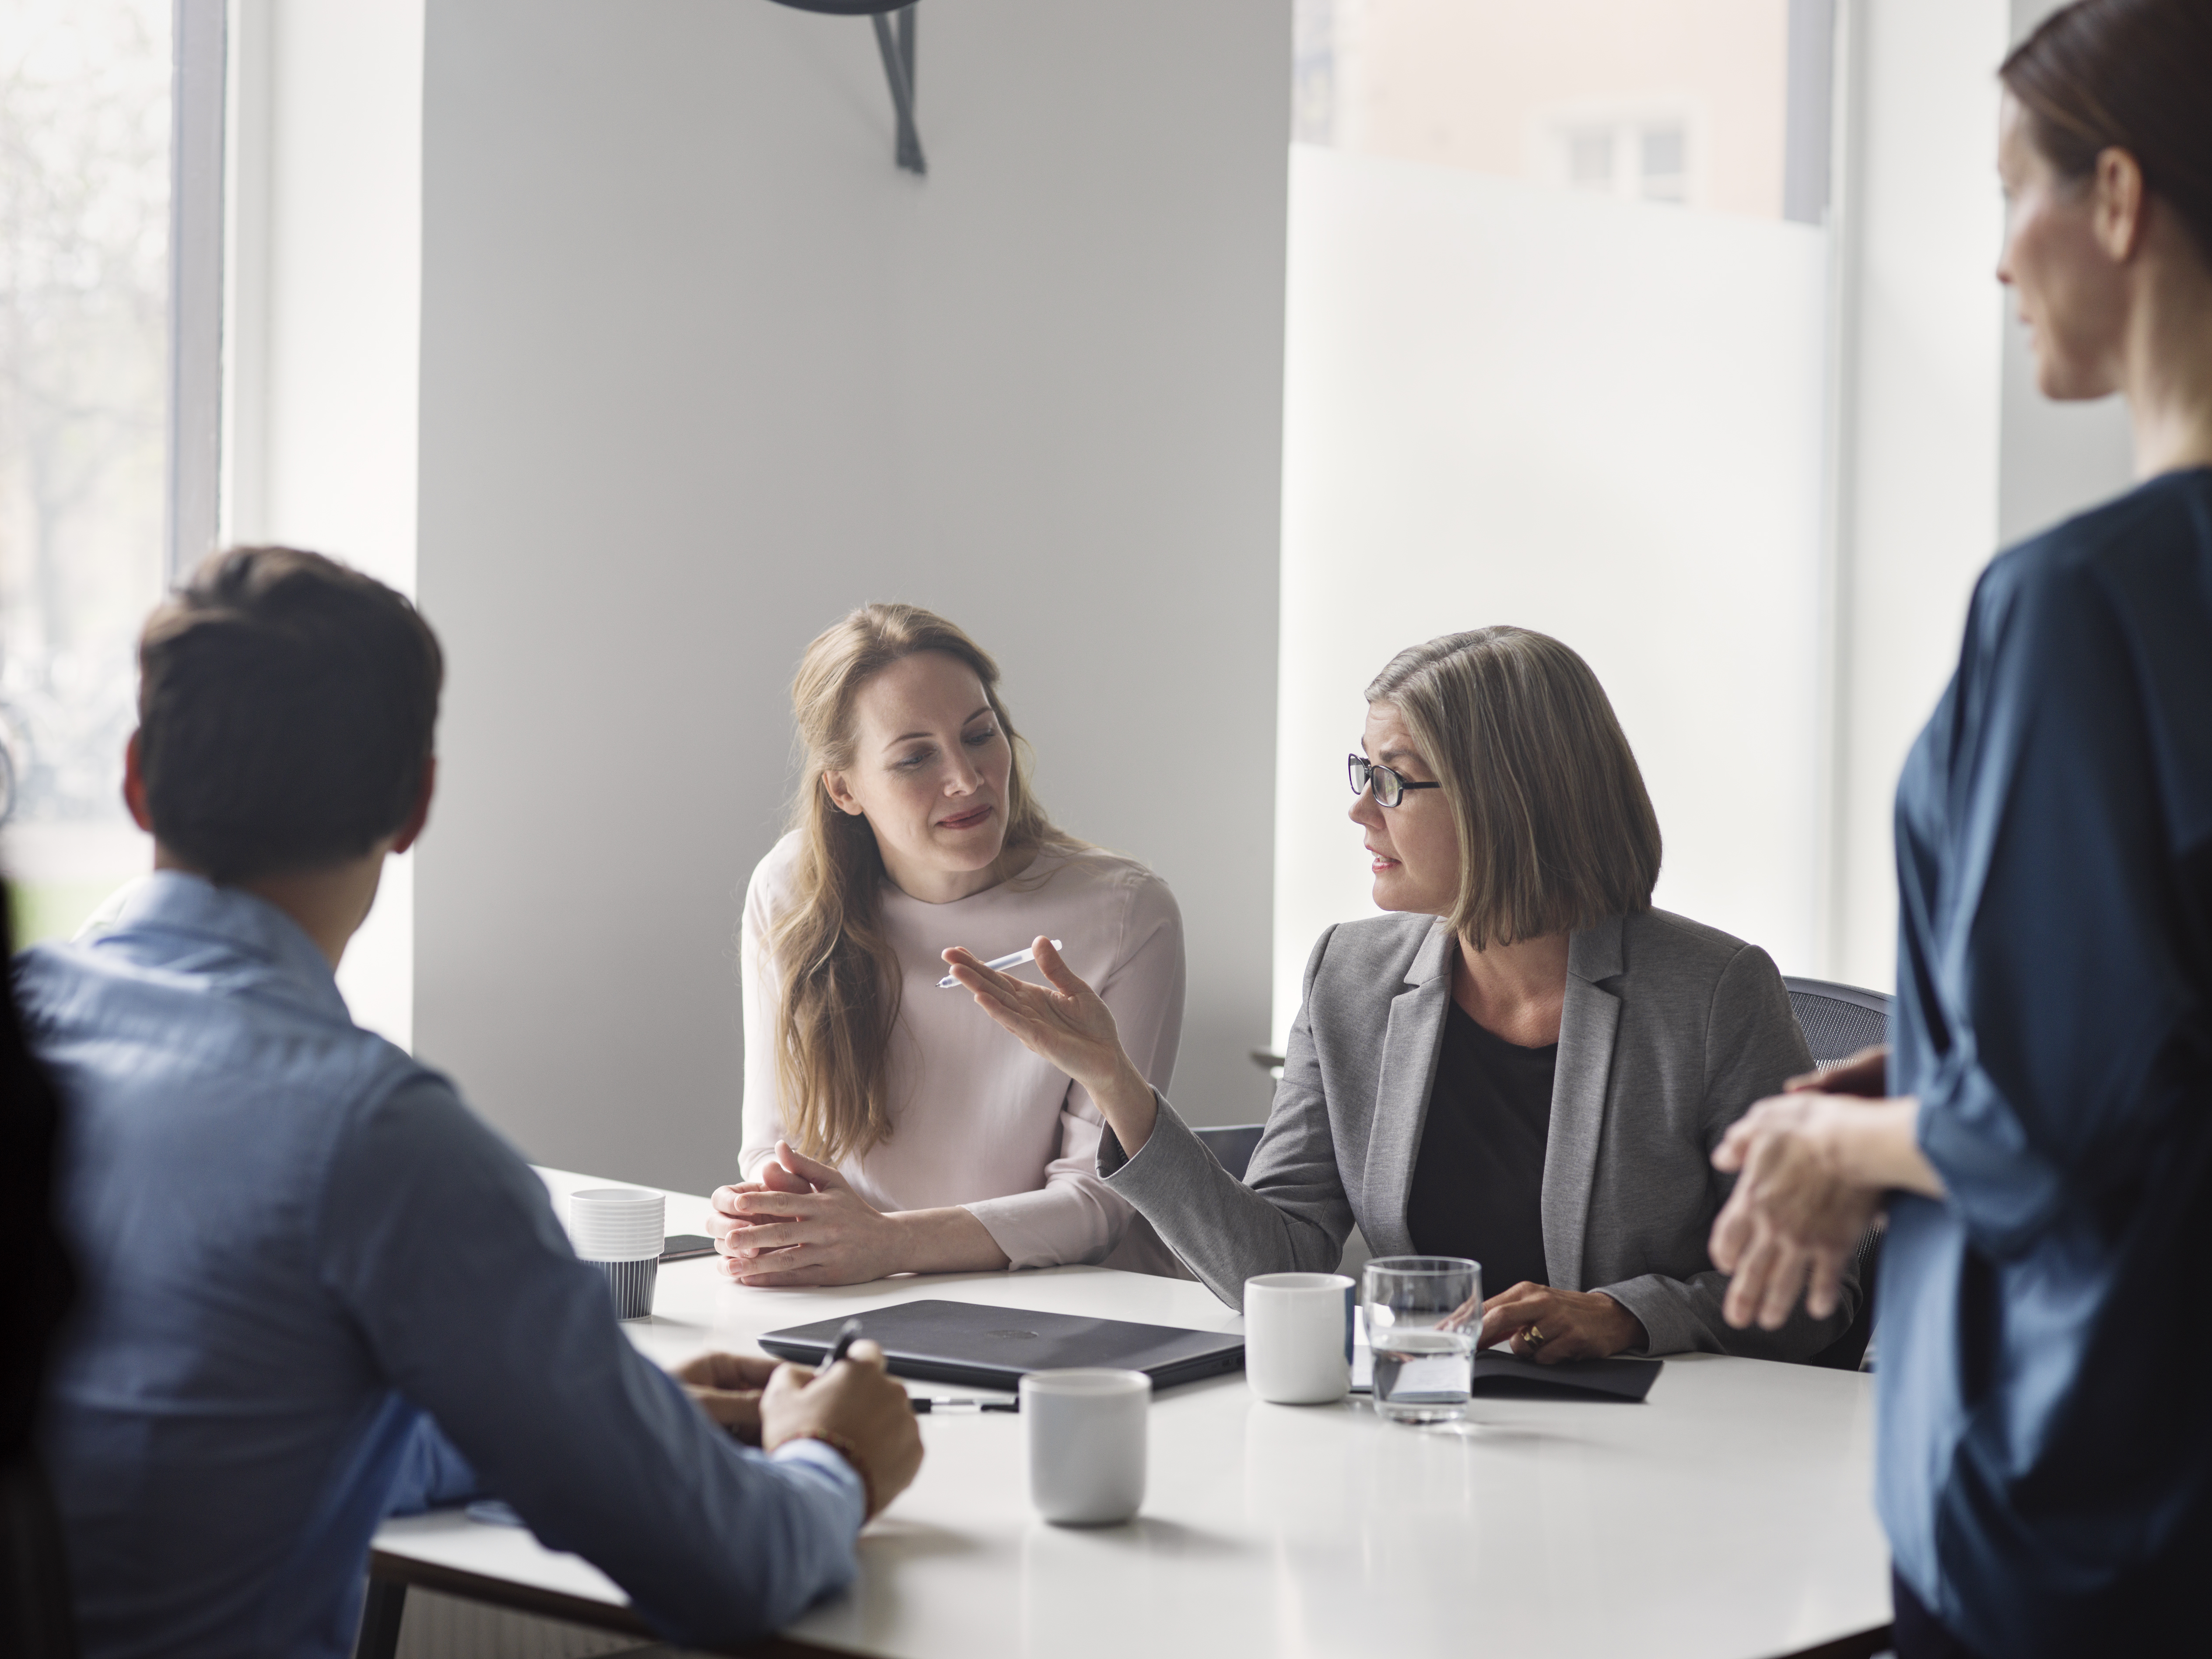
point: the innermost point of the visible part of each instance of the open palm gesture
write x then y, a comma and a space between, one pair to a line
1063, 1022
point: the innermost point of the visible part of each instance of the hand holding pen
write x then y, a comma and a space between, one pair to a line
1066, 1023
853, 1407
849, 1333
997, 964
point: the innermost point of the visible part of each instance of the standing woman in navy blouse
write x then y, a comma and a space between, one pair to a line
2043, 1141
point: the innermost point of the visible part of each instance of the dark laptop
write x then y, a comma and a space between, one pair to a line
992, 1347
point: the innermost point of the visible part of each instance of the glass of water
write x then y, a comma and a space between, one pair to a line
1423, 1343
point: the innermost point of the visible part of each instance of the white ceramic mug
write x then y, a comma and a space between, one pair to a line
1086, 1431
1297, 1337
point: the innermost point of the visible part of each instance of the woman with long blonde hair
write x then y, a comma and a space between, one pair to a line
889, 1126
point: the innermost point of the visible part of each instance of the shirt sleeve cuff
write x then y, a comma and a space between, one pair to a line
2005, 1193
1113, 1161
1055, 1226
1665, 1329
822, 1466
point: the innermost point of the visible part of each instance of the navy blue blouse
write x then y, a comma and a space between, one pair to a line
2045, 1382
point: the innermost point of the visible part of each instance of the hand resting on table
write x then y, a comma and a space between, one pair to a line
854, 1406
802, 1223
1565, 1324
727, 1388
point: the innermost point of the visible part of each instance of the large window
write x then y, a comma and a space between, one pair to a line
1556, 358
84, 204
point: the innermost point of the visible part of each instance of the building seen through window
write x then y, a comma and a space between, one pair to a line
1557, 319
84, 204
1683, 101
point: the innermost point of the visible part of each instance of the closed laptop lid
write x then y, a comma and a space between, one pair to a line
992, 1347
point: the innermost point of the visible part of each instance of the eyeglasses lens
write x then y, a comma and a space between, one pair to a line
1388, 792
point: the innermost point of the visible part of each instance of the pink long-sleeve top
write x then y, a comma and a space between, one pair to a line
977, 1120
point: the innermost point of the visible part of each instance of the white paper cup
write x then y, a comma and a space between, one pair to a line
1086, 1431
1297, 1337
630, 1283
621, 1230
617, 1224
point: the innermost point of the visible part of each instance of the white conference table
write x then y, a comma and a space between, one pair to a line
1728, 1517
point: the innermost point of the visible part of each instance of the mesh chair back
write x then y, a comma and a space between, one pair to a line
1232, 1145
1837, 1020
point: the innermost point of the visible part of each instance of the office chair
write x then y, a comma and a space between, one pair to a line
1839, 1020
1232, 1144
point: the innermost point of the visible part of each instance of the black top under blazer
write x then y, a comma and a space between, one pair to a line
1670, 1031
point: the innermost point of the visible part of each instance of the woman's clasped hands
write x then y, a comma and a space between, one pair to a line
801, 1224
1812, 1168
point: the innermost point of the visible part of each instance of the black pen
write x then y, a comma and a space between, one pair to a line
848, 1334
924, 1405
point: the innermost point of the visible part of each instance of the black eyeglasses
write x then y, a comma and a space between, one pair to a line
1389, 787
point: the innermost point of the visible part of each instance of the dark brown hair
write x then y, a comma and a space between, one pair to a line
2131, 75
285, 710
1556, 829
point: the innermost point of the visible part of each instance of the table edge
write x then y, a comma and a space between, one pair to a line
1869, 1643
392, 1568
387, 1566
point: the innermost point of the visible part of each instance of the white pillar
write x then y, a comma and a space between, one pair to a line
323, 334
1917, 445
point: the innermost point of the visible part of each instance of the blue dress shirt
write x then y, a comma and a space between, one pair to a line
296, 1242
2045, 1443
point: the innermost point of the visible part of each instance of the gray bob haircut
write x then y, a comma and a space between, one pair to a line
1556, 829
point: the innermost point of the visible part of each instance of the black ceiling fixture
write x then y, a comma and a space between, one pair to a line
896, 46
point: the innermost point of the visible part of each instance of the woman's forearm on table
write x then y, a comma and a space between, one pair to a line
945, 1241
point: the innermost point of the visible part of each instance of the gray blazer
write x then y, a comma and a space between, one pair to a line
1670, 1031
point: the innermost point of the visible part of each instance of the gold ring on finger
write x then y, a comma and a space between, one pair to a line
1534, 1336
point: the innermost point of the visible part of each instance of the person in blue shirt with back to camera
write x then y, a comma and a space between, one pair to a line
314, 1285
2041, 1130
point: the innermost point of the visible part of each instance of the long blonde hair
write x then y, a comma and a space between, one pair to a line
837, 975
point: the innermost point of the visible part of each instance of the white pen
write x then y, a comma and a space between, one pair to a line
1001, 964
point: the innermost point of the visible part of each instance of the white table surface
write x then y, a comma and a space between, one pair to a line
1729, 1516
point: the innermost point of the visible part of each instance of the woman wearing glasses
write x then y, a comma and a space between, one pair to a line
1526, 1064
888, 1129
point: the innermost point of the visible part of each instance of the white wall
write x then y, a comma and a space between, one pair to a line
701, 369
1506, 407
324, 298
1598, 419
1919, 444
1947, 452
2054, 460
704, 369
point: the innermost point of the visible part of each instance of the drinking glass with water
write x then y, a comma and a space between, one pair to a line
1424, 1314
